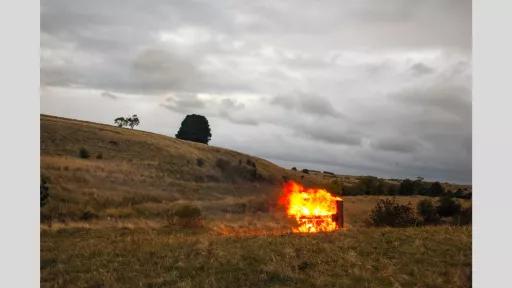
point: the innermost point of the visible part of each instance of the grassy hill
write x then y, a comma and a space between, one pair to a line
107, 222
133, 169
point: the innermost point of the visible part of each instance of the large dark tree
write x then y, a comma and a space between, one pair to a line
195, 128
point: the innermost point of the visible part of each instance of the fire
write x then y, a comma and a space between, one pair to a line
314, 209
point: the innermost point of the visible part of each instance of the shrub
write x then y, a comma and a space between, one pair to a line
83, 153
222, 164
88, 215
428, 212
448, 207
232, 172
465, 217
200, 162
305, 171
187, 216
251, 163
294, 169
99, 156
43, 192
387, 212
436, 189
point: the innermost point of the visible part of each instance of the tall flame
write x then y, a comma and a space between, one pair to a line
313, 208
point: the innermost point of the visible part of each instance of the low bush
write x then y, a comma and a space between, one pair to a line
99, 156
222, 164
233, 173
465, 217
88, 215
186, 216
83, 153
251, 163
388, 212
200, 162
448, 206
428, 212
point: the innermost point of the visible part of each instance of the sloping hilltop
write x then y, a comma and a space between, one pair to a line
111, 220
96, 170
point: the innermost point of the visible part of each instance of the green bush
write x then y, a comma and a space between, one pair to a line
388, 212
448, 207
83, 153
428, 212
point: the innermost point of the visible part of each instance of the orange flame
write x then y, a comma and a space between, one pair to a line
312, 208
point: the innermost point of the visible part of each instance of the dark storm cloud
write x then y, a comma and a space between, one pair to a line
384, 86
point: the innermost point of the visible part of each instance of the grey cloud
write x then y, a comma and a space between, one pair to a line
323, 132
397, 145
421, 69
162, 70
452, 100
107, 94
396, 73
184, 103
305, 103
241, 120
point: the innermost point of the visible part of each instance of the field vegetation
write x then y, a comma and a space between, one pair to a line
155, 211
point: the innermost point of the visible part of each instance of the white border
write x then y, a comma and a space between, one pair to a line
19, 144
492, 141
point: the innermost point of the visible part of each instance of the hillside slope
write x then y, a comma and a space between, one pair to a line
130, 167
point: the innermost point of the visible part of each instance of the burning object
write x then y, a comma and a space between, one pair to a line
315, 210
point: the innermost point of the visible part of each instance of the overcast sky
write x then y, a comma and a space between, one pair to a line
355, 87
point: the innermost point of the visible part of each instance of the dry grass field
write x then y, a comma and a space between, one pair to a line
108, 221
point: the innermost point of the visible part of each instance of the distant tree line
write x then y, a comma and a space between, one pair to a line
370, 185
447, 210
